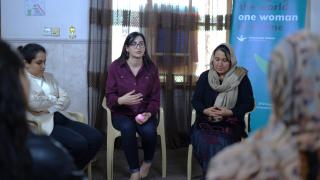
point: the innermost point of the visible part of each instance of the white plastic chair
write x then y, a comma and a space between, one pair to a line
190, 148
113, 133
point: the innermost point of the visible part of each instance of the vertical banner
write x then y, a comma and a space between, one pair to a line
257, 26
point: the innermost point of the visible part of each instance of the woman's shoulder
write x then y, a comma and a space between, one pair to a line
152, 66
245, 79
204, 75
49, 78
48, 75
116, 64
205, 72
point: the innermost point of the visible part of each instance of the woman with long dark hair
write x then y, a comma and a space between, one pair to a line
15, 160
133, 95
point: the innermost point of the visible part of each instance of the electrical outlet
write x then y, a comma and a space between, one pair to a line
46, 31
55, 31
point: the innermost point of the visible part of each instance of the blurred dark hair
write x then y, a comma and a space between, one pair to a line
225, 50
15, 161
130, 38
29, 51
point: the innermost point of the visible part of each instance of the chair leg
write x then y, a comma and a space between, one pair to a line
189, 168
164, 156
90, 171
110, 150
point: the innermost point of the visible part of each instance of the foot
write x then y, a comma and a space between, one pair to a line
135, 176
144, 169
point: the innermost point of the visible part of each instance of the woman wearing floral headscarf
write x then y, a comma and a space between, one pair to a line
222, 96
289, 147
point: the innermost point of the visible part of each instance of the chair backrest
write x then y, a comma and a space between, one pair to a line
110, 127
77, 116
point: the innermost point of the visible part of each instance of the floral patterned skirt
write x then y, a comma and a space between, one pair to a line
209, 138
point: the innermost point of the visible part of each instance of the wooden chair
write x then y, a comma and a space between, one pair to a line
190, 148
113, 133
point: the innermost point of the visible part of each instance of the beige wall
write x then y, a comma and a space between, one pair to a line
67, 58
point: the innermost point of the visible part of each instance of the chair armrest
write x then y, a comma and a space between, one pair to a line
35, 127
78, 116
193, 116
247, 120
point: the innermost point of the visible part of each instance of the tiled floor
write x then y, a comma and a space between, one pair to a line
176, 166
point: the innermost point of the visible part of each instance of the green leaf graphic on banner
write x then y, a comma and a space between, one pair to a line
263, 64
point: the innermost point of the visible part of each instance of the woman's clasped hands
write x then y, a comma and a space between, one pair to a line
217, 113
143, 117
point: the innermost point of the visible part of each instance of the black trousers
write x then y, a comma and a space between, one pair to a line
81, 141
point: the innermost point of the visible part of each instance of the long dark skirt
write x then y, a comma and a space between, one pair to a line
209, 138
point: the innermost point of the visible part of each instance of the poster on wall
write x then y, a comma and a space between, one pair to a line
257, 26
35, 8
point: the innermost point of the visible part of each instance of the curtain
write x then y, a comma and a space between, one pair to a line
180, 39
99, 57
174, 33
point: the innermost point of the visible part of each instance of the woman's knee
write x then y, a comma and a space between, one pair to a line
77, 145
98, 137
149, 128
127, 129
149, 133
95, 138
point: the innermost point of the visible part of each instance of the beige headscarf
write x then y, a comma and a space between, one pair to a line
228, 89
277, 152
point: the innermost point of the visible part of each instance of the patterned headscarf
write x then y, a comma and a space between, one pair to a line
278, 151
294, 79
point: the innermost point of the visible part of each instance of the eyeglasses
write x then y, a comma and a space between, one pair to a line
136, 45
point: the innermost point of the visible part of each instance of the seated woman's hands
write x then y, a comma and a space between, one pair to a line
143, 117
217, 113
130, 98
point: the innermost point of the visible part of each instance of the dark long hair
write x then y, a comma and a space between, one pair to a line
29, 51
15, 160
130, 38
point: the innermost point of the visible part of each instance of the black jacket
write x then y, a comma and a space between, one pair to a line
50, 161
